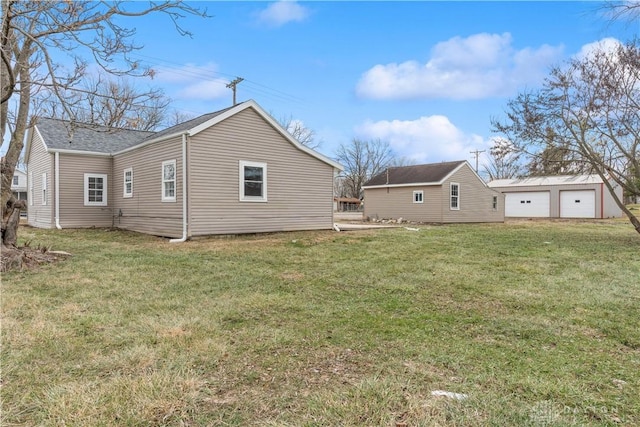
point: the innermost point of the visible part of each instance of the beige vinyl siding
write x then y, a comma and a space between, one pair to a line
605, 205
145, 211
475, 200
73, 212
397, 202
299, 186
40, 161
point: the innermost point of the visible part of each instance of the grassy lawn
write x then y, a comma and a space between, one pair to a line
537, 323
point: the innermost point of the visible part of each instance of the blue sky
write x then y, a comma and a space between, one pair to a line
425, 76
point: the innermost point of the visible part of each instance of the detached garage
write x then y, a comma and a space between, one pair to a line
565, 196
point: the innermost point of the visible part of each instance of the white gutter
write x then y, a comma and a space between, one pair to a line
184, 191
57, 189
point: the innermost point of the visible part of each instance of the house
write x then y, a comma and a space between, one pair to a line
565, 196
447, 192
19, 185
228, 172
346, 204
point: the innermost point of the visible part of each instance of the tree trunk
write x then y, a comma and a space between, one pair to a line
11, 222
632, 218
11, 257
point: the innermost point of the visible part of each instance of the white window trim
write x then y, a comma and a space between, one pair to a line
44, 189
126, 194
104, 189
175, 181
421, 193
494, 203
451, 185
16, 181
242, 196
30, 188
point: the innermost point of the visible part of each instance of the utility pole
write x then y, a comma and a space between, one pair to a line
477, 154
232, 84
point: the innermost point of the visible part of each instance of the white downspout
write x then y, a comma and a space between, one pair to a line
184, 192
57, 189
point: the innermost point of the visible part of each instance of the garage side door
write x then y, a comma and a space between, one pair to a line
578, 204
529, 204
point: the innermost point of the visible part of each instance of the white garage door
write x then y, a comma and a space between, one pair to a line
578, 204
527, 204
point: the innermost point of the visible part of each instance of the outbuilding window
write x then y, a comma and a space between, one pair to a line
495, 203
454, 189
418, 196
253, 182
169, 181
95, 189
127, 190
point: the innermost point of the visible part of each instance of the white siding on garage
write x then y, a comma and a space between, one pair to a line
528, 204
578, 204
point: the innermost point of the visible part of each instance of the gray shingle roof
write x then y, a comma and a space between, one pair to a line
61, 135
185, 126
429, 173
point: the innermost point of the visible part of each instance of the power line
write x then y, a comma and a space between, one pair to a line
186, 71
477, 154
233, 85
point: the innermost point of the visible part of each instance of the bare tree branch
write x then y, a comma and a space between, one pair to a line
586, 118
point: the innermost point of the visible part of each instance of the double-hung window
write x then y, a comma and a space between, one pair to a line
16, 180
169, 181
494, 204
418, 196
253, 182
454, 189
95, 189
127, 190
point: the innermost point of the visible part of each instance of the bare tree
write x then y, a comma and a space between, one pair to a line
32, 35
175, 117
622, 10
590, 109
504, 161
115, 103
300, 132
401, 161
362, 160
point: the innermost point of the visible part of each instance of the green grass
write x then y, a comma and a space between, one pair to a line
537, 322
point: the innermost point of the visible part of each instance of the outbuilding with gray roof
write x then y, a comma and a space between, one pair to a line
448, 192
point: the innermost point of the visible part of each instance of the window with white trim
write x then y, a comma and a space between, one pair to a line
418, 196
169, 181
16, 180
253, 182
495, 203
30, 188
454, 191
95, 189
44, 188
127, 190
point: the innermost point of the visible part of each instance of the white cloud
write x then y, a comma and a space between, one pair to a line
208, 89
192, 81
480, 66
606, 44
283, 12
427, 139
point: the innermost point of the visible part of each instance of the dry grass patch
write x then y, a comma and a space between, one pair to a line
536, 322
